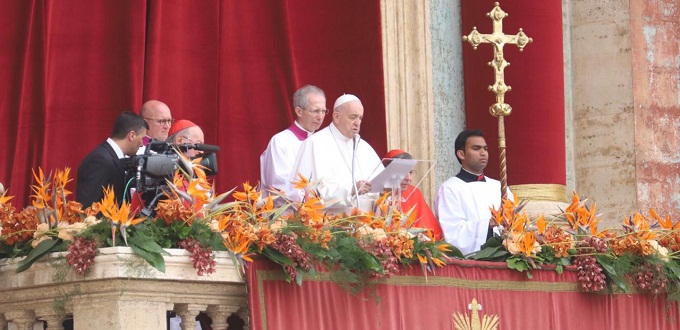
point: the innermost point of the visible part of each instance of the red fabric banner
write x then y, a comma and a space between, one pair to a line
70, 67
535, 129
411, 301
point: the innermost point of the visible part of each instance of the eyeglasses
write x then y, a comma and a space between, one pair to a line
162, 122
190, 140
318, 111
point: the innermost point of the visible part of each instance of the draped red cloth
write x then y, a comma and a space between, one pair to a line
70, 67
535, 130
412, 198
410, 301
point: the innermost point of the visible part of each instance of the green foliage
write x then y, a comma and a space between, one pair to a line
40, 250
167, 236
148, 249
616, 268
547, 256
492, 250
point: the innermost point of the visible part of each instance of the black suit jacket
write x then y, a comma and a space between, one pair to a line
99, 169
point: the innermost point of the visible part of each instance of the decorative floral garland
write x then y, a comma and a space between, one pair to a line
357, 248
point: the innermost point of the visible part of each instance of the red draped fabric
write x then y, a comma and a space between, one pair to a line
411, 301
535, 129
70, 67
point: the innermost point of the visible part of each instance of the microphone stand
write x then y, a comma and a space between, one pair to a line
354, 181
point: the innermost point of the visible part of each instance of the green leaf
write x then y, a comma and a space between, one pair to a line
40, 250
147, 244
298, 278
565, 261
455, 252
606, 263
485, 253
499, 255
559, 269
372, 263
184, 232
673, 268
518, 263
155, 259
149, 250
278, 257
492, 242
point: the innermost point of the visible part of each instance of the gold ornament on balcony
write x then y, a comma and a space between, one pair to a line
472, 322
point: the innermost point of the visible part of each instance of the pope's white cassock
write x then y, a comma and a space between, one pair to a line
327, 157
463, 211
277, 161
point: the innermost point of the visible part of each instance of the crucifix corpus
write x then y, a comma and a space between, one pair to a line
499, 109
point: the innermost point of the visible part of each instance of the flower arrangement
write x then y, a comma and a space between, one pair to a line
355, 248
642, 255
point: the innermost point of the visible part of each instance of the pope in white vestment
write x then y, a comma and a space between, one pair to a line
337, 158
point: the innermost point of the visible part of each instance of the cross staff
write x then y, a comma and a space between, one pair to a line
499, 109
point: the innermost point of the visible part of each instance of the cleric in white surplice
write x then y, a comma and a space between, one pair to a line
328, 156
463, 201
276, 162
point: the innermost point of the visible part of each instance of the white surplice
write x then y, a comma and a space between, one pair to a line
327, 156
276, 162
463, 211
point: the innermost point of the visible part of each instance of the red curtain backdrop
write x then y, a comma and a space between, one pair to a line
535, 129
68, 68
409, 301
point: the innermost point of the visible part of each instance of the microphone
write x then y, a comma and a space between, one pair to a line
206, 147
199, 147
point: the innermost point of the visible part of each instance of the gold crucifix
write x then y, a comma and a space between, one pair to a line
499, 109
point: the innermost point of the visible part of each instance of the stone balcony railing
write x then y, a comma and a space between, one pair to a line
121, 291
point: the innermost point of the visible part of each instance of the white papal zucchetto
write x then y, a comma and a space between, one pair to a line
344, 99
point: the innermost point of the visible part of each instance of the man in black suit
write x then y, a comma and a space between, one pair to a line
103, 166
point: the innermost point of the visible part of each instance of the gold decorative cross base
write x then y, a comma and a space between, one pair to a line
472, 322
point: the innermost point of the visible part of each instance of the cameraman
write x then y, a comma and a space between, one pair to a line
184, 131
103, 166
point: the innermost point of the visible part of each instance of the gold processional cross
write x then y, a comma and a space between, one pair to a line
499, 109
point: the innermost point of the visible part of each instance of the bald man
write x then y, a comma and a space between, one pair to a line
338, 158
159, 118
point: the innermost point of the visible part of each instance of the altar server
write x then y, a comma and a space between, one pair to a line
276, 162
338, 158
463, 201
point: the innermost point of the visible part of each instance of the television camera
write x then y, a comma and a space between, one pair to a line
159, 162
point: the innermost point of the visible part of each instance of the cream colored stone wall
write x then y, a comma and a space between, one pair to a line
655, 36
408, 80
603, 117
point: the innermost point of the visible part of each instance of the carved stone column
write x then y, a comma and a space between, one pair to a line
219, 315
24, 320
408, 80
188, 313
111, 312
54, 320
244, 314
3, 322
